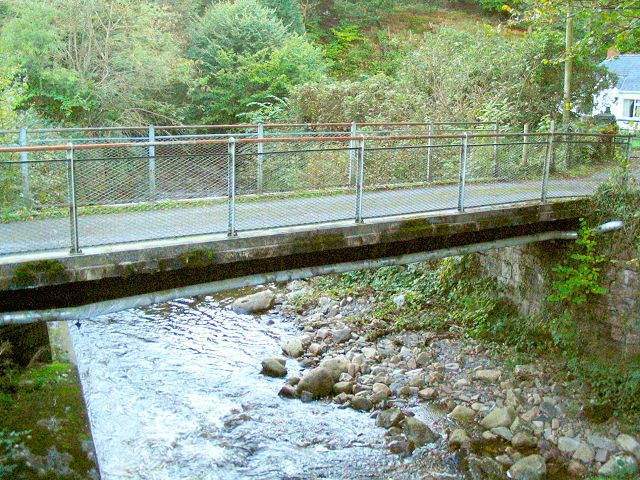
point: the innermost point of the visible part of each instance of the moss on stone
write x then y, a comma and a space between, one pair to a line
43, 271
321, 242
198, 258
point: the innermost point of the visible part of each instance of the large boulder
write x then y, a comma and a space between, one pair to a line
293, 347
318, 382
462, 413
532, 467
336, 366
483, 468
390, 418
499, 417
274, 367
418, 432
254, 303
488, 376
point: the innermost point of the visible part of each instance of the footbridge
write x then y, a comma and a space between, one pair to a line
94, 225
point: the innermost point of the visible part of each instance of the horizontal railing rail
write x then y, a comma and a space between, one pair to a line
80, 195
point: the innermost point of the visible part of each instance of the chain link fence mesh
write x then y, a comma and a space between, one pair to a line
148, 191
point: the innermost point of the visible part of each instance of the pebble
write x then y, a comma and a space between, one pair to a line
524, 410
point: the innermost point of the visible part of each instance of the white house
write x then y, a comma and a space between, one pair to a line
624, 98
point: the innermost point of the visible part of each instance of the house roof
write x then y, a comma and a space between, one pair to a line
627, 67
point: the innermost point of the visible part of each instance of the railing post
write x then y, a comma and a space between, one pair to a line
360, 180
627, 165
352, 150
73, 204
525, 146
24, 169
496, 167
552, 153
548, 159
260, 147
429, 154
568, 151
231, 231
152, 162
464, 152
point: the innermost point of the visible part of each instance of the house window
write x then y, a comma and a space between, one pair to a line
631, 108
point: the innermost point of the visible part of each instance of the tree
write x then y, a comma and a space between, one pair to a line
245, 55
289, 12
602, 23
96, 62
12, 92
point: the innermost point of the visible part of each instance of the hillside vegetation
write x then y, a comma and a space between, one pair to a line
104, 62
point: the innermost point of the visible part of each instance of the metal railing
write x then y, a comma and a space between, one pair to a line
164, 133
85, 195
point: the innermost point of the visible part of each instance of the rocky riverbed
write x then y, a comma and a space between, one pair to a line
505, 421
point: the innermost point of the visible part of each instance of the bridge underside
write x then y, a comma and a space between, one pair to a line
58, 280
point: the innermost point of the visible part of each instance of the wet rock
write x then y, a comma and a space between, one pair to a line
288, 391
342, 335
335, 366
502, 432
619, 464
487, 376
341, 398
601, 455
483, 468
405, 391
423, 359
293, 381
418, 432
316, 349
584, 453
504, 460
274, 367
427, 394
459, 438
369, 353
602, 443
568, 444
401, 447
390, 418
462, 414
629, 444
254, 303
318, 382
532, 467
306, 397
343, 387
361, 403
293, 347
523, 440
381, 390
488, 435
499, 417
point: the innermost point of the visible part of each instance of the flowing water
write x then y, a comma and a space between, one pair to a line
174, 392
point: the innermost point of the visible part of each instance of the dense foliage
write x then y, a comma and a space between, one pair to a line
102, 62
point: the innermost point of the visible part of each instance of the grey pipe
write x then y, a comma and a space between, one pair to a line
111, 306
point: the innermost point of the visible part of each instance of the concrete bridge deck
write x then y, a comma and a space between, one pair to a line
57, 279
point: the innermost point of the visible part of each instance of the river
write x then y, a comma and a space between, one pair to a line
174, 391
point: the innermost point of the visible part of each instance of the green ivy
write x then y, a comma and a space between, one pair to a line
578, 279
